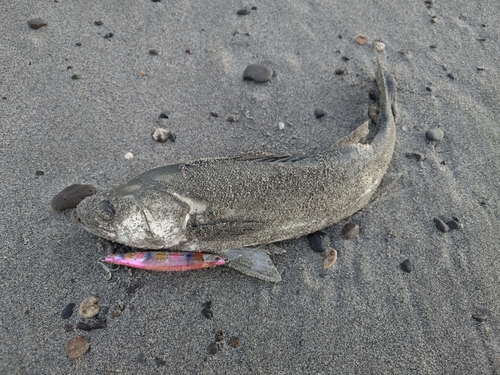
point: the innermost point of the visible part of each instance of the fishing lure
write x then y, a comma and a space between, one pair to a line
167, 261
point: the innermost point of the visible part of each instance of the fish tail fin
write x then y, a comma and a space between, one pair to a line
253, 262
387, 89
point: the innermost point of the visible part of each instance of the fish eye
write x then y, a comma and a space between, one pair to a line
106, 210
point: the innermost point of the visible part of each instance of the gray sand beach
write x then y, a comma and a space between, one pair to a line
76, 96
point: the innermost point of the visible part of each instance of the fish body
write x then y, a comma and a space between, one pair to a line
221, 204
167, 261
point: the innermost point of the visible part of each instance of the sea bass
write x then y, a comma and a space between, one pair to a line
232, 205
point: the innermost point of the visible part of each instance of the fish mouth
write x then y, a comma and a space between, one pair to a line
98, 231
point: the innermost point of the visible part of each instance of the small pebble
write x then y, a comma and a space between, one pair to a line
161, 135
242, 12
319, 241
379, 46
68, 311
75, 76
163, 115
129, 156
213, 348
349, 231
219, 336
330, 259
160, 362
452, 224
415, 155
142, 73
98, 325
98, 23
257, 73
36, 23
434, 134
479, 317
373, 112
214, 114
71, 196
362, 39
281, 125
83, 326
39, 173
89, 307
232, 118
340, 72
78, 44
108, 35
77, 347
441, 225
234, 341
407, 266
153, 52
428, 89
318, 113
450, 76
207, 313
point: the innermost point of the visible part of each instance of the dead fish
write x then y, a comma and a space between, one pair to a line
235, 204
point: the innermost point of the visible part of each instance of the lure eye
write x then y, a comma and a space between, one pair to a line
106, 210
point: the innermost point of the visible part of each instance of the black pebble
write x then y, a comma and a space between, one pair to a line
428, 89
98, 23
372, 96
75, 76
213, 348
207, 313
207, 305
83, 326
479, 317
153, 52
441, 225
340, 72
98, 325
345, 58
407, 266
450, 76
319, 241
257, 73
160, 362
163, 115
39, 173
452, 224
318, 113
68, 311
214, 114
254, 8
71, 196
415, 155
156, 1
108, 35
78, 44
243, 12
36, 23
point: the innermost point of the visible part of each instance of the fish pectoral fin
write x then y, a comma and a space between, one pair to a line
253, 262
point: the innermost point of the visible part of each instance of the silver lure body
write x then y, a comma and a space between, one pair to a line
224, 204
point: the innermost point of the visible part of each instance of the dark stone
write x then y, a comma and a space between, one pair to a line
36, 23
450, 76
479, 317
415, 155
372, 96
68, 311
71, 196
345, 58
254, 8
257, 73
207, 313
318, 113
39, 173
407, 266
441, 225
163, 115
349, 231
452, 224
214, 114
78, 44
434, 134
243, 12
83, 326
340, 72
232, 118
156, 1
153, 52
98, 325
213, 348
108, 35
207, 305
319, 241
160, 362
98, 23
75, 77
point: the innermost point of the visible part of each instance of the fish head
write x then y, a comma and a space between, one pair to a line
143, 218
